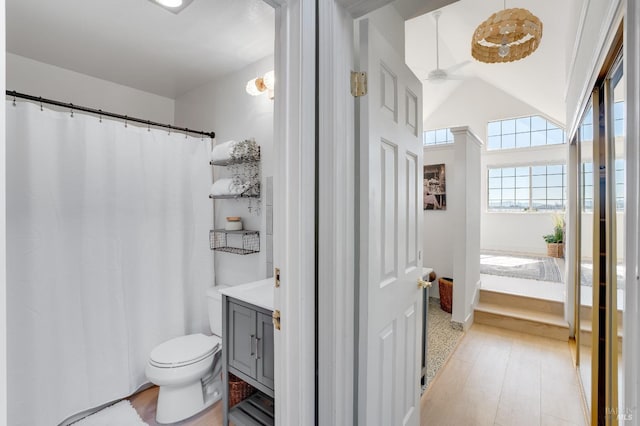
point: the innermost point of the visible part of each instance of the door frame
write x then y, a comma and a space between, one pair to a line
337, 212
294, 209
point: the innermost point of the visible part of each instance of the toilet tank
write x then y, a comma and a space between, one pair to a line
214, 303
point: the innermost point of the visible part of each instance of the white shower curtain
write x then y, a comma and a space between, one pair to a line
107, 256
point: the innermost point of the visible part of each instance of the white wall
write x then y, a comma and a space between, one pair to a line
224, 106
474, 104
587, 59
438, 224
3, 239
519, 232
466, 225
39, 79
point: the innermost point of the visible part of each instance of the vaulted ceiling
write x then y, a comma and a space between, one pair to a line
138, 44
538, 80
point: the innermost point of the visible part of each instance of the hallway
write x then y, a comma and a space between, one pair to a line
500, 377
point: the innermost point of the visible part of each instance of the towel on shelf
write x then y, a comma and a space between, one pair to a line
227, 187
222, 152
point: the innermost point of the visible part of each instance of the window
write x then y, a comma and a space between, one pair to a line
527, 188
437, 137
523, 132
587, 187
586, 134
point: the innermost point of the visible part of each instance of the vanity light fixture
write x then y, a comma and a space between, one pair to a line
174, 6
260, 85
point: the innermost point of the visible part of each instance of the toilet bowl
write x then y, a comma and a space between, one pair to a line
187, 369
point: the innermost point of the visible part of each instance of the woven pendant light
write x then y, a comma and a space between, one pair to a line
508, 35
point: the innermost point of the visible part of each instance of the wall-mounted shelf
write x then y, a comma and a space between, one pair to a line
246, 241
231, 162
234, 197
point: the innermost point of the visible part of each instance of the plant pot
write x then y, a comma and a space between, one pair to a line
555, 249
445, 285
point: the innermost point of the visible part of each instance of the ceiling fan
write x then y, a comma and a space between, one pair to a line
440, 75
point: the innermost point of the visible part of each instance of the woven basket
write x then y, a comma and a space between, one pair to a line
555, 249
239, 390
445, 285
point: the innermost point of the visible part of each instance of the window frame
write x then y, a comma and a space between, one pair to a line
519, 131
530, 208
447, 141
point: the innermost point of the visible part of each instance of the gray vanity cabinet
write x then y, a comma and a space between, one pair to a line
242, 339
265, 350
247, 351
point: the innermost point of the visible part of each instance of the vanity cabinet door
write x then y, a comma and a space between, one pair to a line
265, 350
242, 339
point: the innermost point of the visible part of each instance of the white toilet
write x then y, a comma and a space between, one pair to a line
187, 369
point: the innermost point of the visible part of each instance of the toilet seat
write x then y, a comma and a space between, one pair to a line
184, 350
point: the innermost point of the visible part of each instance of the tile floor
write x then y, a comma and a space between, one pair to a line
500, 377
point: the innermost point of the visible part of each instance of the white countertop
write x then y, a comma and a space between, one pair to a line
259, 293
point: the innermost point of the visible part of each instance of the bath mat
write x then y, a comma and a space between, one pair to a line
516, 266
442, 340
120, 414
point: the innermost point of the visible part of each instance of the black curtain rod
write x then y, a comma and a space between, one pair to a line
102, 113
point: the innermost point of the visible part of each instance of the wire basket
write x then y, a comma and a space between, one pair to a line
236, 242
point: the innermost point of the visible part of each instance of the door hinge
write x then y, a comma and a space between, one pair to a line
358, 83
276, 319
276, 278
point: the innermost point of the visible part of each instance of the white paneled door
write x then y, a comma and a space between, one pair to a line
389, 130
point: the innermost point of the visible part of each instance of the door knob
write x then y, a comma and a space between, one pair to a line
423, 284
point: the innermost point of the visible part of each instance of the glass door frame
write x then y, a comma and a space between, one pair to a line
604, 352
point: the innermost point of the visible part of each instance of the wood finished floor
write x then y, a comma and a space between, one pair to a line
494, 377
145, 404
500, 377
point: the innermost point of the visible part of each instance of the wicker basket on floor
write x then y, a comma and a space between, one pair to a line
239, 390
555, 249
445, 285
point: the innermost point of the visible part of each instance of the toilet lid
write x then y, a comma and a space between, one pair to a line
184, 350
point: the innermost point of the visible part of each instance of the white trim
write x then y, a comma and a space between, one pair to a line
336, 237
3, 240
607, 33
294, 214
631, 321
577, 43
571, 237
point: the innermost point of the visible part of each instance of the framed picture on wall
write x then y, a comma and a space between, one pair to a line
435, 187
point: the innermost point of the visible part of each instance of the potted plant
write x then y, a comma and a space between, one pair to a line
555, 241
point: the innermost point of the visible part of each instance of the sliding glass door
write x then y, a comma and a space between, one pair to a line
600, 243
616, 202
585, 251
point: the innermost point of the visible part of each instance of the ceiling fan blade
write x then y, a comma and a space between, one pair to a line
458, 66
